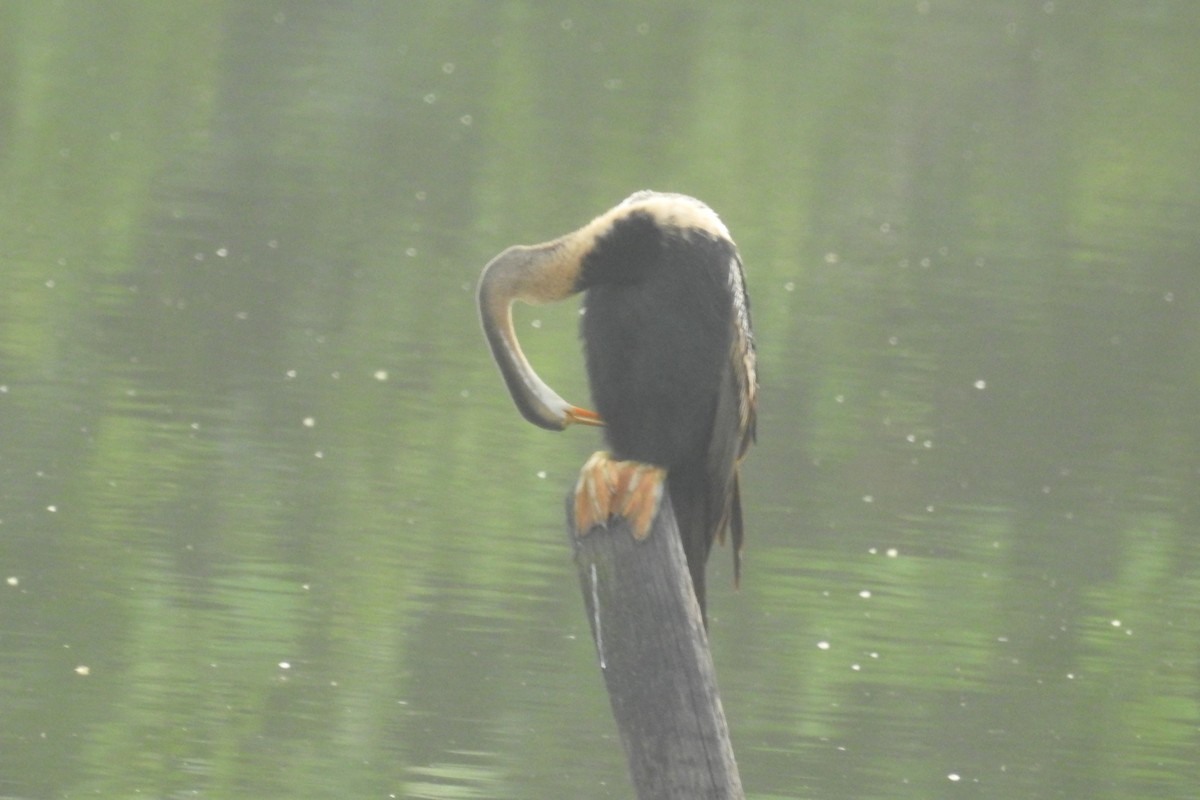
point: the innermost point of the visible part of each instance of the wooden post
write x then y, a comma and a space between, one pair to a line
653, 652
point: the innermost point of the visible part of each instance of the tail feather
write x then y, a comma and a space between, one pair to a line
736, 531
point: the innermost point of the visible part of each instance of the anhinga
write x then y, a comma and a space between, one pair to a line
670, 360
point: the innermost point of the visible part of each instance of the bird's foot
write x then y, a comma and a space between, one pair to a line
608, 489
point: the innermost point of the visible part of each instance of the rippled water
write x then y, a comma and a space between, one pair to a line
269, 525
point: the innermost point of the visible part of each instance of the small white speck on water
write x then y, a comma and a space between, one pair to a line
52, 509
868, 498
822, 645
309, 422
892, 552
954, 776
790, 286
537, 323
13, 580
83, 669
865, 594
285, 665
381, 374
541, 473
832, 258
291, 373
981, 384
222, 252
1116, 623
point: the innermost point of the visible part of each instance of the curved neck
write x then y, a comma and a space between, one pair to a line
539, 274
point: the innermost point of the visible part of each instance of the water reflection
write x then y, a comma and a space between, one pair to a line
269, 525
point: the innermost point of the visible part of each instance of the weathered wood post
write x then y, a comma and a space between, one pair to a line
653, 653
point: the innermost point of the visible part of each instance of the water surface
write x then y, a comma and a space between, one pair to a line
270, 526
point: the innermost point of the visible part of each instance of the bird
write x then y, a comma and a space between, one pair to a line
670, 358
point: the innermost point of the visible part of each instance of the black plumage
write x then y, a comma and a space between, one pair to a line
659, 337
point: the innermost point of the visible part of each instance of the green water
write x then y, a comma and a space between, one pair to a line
270, 526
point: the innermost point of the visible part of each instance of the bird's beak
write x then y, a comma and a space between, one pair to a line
584, 417
538, 274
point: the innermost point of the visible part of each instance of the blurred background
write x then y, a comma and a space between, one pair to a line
271, 527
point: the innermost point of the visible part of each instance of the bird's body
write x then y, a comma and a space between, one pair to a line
668, 345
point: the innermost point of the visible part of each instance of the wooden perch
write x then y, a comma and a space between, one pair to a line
653, 652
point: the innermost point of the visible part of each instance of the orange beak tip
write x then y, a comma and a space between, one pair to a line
584, 417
